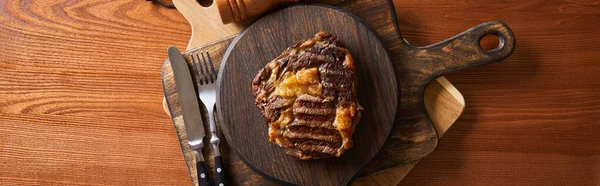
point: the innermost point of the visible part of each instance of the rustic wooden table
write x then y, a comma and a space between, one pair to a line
80, 94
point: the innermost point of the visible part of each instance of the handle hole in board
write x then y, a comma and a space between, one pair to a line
491, 42
205, 3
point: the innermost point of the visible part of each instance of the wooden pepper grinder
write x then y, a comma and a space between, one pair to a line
238, 10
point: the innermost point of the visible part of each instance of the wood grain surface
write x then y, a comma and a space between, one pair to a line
80, 94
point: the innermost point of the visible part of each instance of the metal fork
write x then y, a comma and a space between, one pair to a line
206, 77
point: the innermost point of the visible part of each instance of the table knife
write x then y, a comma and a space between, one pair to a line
190, 111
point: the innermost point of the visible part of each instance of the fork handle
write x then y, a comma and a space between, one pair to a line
220, 171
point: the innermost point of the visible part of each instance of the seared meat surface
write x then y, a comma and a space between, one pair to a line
307, 95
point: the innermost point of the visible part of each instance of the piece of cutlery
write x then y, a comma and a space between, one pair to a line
207, 92
190, 111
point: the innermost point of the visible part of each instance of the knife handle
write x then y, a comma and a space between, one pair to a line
201, 169
202, 174
220, 171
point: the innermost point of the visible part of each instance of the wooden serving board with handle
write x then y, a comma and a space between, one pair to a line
443, 101
264, 40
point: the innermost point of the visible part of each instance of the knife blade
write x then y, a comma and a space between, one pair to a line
190, 110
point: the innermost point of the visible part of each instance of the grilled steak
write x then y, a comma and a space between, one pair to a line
308, 97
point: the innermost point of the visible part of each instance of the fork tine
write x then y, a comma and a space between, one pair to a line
212, 66
196, 73
203, 79
208, 74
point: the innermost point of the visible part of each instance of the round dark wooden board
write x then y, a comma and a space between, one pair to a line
246, 130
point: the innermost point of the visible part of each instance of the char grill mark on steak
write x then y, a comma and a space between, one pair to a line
312, 105
305, 125
319, 147
314, 111
322, 134
336, 81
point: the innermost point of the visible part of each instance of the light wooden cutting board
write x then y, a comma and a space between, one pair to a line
443, 101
